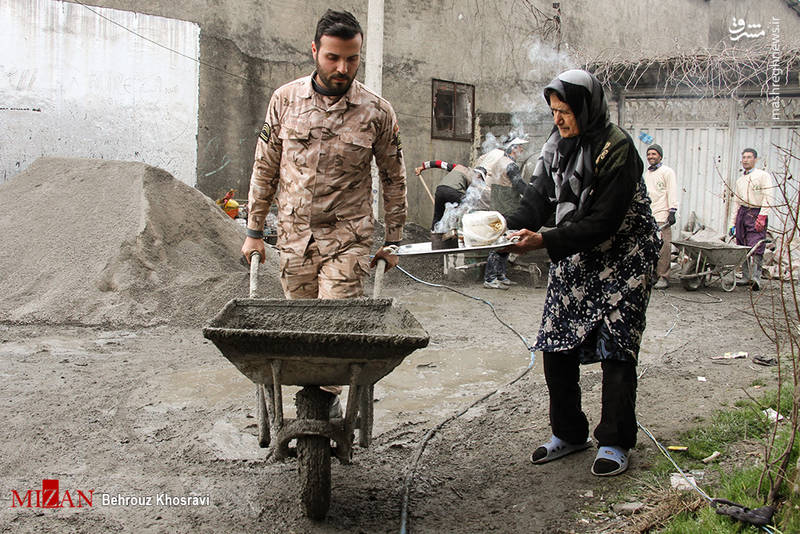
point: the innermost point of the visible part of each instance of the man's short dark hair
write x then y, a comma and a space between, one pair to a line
752, 151
340, 24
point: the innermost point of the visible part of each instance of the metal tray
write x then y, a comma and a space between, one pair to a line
420, 249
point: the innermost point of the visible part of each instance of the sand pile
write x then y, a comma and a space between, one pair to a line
116, 243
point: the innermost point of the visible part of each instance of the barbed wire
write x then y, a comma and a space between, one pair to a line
713, 72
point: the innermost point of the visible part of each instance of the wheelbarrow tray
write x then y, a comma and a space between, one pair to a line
315, 340
717, 254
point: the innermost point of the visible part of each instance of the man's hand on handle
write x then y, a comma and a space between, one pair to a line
528, 241
252, 244
671, 217
386, 254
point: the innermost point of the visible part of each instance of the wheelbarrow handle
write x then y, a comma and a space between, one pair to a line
380, 267
754, 247
255, 260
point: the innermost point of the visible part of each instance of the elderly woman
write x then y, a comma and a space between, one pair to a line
604, 247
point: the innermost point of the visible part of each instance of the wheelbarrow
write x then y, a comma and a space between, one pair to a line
310, 343
707, 262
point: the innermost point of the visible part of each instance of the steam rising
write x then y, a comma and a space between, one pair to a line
546, 63
453, 212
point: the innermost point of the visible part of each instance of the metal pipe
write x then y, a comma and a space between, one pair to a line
373, 78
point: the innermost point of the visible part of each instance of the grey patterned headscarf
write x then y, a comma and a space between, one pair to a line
568, 162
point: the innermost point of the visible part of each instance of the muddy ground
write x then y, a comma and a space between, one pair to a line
151, 411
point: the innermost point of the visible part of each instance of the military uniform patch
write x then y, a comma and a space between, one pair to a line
265, 133
396, 138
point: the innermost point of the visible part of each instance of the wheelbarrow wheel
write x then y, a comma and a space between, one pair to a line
314, 454
728, 281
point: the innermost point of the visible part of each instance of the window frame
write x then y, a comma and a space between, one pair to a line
450, 134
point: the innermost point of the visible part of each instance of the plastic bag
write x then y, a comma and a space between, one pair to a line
481, 228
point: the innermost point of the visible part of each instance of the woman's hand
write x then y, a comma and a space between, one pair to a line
527, 241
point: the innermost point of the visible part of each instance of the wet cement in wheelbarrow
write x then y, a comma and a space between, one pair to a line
350, 316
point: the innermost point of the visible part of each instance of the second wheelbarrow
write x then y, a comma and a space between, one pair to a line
710, 262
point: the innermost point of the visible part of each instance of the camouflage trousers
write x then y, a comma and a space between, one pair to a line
313, 276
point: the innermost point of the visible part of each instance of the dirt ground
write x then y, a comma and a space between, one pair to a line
152, 411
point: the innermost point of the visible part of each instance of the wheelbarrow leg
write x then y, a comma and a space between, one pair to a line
277, 401
353, 396
262, 413
689, 272
366, 414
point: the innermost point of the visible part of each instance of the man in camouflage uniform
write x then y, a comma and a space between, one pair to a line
315, 149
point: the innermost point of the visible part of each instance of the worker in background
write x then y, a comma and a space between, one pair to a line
452, 189
504, 189
752, 197
663, 190
319, 137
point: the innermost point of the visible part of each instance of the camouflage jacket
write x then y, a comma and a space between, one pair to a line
318, 160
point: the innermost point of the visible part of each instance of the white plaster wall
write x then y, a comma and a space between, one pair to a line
75, 84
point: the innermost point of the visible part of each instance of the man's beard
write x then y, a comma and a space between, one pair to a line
334, 90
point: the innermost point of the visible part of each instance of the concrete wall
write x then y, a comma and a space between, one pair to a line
508, 49
604, 28
73, 83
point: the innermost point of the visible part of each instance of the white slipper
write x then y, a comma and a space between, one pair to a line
610, 461
556, 448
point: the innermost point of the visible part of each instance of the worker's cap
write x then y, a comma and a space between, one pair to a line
657, 148
516, 141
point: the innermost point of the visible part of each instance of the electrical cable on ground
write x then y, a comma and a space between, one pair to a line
677, 316
716, 300
687, 478
409, 478
421, 447
494, 311
658, 445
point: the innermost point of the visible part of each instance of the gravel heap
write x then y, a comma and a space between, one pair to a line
102, 242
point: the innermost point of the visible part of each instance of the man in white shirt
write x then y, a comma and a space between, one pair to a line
663, 190
752, 197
